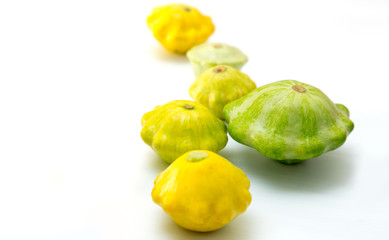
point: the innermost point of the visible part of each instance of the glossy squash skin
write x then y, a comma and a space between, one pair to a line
179, 27
288, 121
180, 126
202, 191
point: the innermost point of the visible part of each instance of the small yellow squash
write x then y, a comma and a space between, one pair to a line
179, 27
202, 191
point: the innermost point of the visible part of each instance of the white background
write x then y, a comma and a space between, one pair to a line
76, 77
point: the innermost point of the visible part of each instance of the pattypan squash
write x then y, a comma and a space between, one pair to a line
202, 191
209, 55
220, 85
180, 126
179, 27
288, 121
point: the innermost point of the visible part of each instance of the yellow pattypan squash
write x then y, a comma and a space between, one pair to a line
180, 126
179, 27
202, 191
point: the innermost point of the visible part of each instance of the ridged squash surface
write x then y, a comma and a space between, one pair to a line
217, 86
180, 126
288, 121
179, 27
202, 191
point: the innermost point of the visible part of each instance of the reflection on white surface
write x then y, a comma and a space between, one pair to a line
328, 171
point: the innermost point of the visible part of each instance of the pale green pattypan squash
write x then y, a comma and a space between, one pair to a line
209, 55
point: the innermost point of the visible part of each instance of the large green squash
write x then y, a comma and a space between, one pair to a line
288, 121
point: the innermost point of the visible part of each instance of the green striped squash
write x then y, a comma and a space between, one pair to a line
288, 121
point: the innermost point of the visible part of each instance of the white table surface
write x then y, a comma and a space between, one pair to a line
76, 77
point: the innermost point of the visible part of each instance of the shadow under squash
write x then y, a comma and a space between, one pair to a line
154, 162
328, 171
164, 55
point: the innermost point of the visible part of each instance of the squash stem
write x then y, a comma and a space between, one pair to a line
196, 156
299, 88
189, 107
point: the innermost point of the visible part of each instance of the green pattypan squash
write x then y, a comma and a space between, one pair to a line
288, 121
209, 55
217, 86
